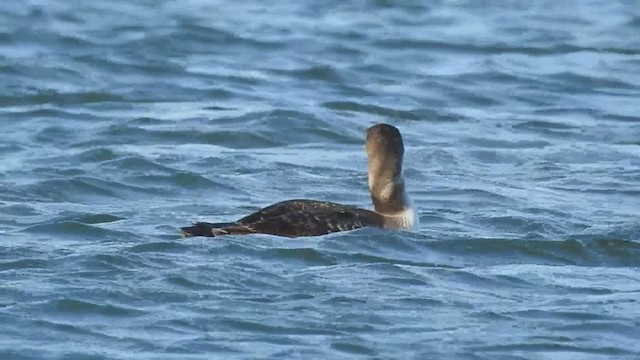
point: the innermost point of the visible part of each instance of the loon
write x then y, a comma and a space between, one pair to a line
393, 209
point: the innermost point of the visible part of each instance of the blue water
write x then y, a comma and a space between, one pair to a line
122, 121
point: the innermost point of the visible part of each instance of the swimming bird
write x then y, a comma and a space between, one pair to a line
393, 209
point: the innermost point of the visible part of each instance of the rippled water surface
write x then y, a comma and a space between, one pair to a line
122, 121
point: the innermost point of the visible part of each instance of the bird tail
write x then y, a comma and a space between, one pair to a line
214, 229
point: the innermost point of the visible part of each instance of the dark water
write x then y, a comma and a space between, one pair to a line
122, 121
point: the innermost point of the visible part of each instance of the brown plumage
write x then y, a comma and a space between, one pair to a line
293, 218
301, 217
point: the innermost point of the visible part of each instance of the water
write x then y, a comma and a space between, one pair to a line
122, 121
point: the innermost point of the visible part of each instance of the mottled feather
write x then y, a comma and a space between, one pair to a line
293, 218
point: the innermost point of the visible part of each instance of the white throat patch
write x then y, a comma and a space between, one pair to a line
406, 219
